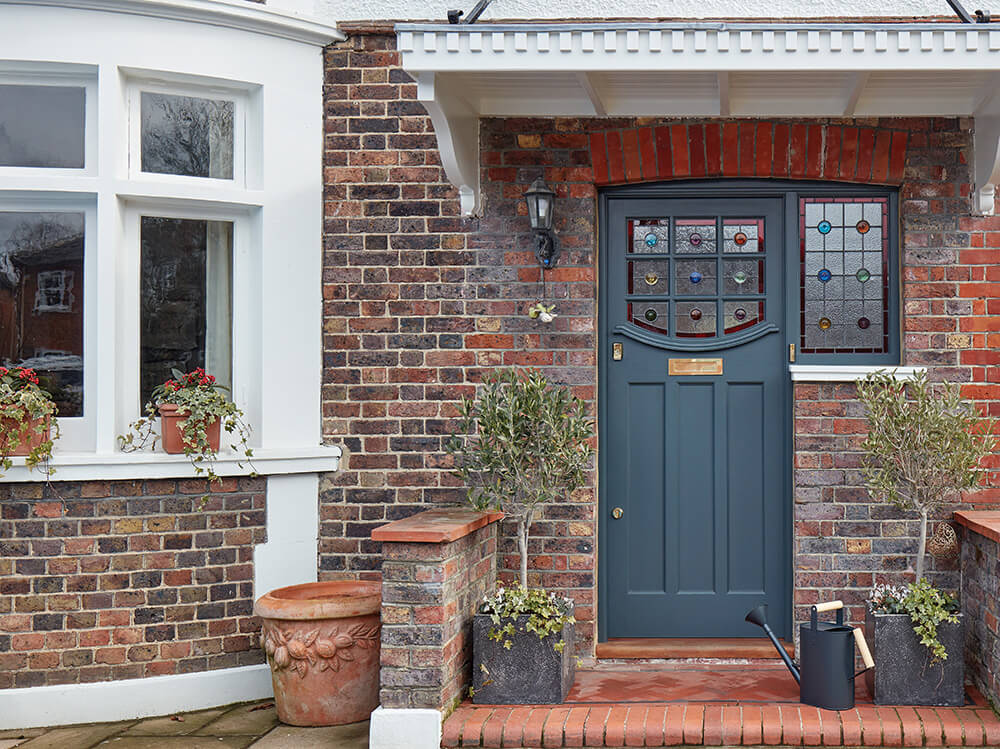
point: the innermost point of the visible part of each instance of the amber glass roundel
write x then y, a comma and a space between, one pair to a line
824, 323
863, 227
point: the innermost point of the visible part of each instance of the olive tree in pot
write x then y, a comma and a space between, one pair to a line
924, 447
521, 444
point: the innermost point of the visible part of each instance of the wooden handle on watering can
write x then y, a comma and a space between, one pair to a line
866, 654
829, 606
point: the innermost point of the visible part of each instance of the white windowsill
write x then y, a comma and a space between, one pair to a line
159, 465
846, 373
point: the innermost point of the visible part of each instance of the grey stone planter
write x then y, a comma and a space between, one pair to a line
530, 673
903, 672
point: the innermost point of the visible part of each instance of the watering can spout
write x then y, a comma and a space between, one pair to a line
758, 616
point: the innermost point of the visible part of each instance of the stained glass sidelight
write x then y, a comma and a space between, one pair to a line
844, 246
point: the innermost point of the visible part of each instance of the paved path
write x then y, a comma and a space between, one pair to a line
234, 727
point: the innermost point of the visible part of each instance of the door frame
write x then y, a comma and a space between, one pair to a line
720, 188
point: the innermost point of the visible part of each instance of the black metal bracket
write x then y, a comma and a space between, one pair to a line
455, 16
546, 248
982, 16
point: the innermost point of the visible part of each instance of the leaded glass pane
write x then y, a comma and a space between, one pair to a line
694, 236
740, 315
844, 288
650, 235
742, 235
650, 315
742, 277
695, 319
41, 301
649, 277
42, 126
695, 278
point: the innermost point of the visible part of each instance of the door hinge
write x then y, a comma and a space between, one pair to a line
617, 351
791, 353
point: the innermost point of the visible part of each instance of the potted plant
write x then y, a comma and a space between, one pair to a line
193, 409
28, 423
924, 447
521, 444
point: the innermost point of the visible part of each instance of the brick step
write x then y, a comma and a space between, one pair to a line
714, 724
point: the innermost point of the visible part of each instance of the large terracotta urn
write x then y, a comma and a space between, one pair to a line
322, 642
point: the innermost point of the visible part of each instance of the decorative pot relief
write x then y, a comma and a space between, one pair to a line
298, 651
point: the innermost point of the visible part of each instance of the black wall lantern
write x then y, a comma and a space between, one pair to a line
541, 200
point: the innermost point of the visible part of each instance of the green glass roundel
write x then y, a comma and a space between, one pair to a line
650, 315
863, 275
740, 277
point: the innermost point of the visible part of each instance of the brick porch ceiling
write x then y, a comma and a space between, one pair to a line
704, 70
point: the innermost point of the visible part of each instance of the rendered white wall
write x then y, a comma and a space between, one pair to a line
401, 10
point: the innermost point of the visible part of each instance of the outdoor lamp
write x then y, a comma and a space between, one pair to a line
541, 201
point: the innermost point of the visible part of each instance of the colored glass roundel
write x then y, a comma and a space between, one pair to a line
845, 283
651, 279
740, 277
739, 239
695, 314
740, 314
650, 315
652, 240
695, 239
695, 277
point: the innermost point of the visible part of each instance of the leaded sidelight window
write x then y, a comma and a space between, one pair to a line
696, 277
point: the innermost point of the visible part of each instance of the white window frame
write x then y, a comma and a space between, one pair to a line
155, 82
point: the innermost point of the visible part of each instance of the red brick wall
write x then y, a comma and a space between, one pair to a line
420, 301
121, 580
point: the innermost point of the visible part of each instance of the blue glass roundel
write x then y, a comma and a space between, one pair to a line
651, 240
824, 227
824, 275
695, 277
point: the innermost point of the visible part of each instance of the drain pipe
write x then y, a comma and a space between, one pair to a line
758, 616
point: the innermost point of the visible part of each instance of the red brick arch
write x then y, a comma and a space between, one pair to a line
750, 148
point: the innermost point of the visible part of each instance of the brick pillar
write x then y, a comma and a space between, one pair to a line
981, 598
437, 566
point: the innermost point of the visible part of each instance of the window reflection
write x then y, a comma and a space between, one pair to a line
41, 301
42, 126
187, 135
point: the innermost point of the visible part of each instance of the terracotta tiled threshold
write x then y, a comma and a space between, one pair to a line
712, 706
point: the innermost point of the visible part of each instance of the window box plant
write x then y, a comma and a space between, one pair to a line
28, 423
521, 444
924, 447
193, 410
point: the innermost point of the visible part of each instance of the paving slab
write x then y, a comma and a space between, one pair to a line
10, 743
244, 720
177, 742
354, 736
168, 726
22, 734
75, 737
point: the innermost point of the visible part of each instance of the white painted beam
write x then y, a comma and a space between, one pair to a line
855, 89
723, 94
457, 128
587, 84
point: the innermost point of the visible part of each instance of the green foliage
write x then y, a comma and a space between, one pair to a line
26, 411
547, 614
924, 444
197, 395
926, 606
520, 444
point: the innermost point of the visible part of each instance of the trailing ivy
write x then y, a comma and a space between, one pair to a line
547, 614
926, 606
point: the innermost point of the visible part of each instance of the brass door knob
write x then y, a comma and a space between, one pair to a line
617, 513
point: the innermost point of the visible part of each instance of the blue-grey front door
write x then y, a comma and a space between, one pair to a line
695, 416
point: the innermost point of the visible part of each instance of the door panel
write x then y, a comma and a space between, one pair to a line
697, 462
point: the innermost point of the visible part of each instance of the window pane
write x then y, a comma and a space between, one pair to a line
186, 135
186, 299
844, 275
42, 126
41, 301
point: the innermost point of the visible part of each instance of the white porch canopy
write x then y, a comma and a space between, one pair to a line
465, 72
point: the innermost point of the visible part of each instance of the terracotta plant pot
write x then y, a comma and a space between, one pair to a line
33, 439
323, 641
171, 430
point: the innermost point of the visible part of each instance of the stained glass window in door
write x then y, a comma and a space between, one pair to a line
650, 315
742, 235
742, 277
649, 277
695, 236
844, 276
650, 235
695, 278
695, 319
